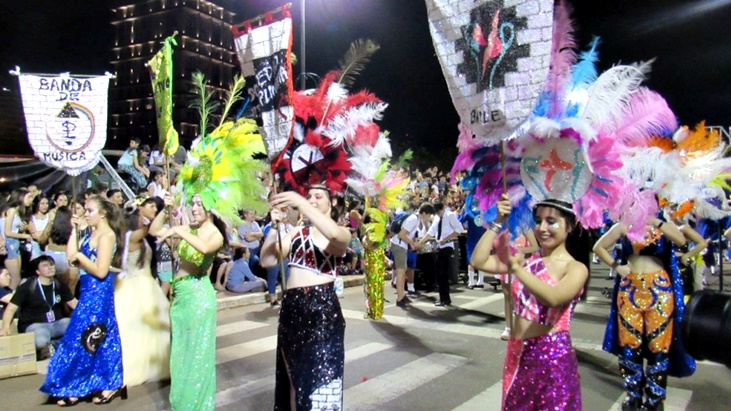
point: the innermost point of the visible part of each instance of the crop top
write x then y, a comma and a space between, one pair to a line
188, 253
649, 244
305, 254
526, 305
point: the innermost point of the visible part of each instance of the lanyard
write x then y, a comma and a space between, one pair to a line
53, 293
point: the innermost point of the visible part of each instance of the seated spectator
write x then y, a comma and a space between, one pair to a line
5, 292
40, 301
240, 279
156, 188
157, 159
129, 163
250, 235
354, 255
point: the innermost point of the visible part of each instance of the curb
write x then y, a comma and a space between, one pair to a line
226, 300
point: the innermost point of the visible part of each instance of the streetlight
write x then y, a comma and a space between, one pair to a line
302, 48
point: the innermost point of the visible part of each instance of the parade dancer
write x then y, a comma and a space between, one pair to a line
311, 334
89, 358
218, 179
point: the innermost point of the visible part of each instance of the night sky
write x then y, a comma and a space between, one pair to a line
690, 41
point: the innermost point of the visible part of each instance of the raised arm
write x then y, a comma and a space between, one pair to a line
482, 257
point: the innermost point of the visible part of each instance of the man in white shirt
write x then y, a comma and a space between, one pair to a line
400, 244
444, 230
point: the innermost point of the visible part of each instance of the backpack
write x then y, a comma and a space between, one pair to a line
395, 226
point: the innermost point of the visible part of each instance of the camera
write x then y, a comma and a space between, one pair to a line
706, 328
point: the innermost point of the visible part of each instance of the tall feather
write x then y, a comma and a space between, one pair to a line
232, 96
611, 91
563, 57
355, 59
584, 71
203, 104
647, 114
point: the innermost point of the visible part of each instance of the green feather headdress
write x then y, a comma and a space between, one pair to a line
220, 167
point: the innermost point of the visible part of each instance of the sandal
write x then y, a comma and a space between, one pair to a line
67, 402
102, 399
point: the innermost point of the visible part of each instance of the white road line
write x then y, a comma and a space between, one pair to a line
677, 400
373, 393
237, 327
488, 400
264, 380
244, 350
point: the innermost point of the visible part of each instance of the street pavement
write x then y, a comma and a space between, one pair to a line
421, 358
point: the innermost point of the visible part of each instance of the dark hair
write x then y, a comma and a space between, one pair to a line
61, 227
135, 139
116, 223
59, 194
37, 202
426, 208
16, 200
221, 226
132, 218
36, 262
91, 191
112, 192
438, 206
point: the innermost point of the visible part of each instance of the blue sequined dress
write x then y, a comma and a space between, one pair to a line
89, 357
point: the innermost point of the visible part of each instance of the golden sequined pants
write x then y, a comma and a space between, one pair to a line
645, 303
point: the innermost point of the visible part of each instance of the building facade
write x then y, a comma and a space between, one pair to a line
205, 43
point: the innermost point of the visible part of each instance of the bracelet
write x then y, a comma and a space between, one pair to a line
495, 227
659, 226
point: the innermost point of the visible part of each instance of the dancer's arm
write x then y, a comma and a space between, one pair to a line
608, 240
700, 244
553, 296
482, 257
670, 230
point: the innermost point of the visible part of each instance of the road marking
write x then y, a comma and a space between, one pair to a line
488, 400
237, 327
264, 380
244, 350
373, 393
677, 400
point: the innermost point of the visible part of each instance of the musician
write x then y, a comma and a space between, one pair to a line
444, 230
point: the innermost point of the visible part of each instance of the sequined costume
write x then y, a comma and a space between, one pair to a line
193, 346
310, 340
645, 313
89, 357
541, 373
143, 316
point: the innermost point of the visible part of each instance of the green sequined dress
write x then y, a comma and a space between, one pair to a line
193, 346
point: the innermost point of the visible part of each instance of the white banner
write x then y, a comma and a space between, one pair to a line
264, 54
495, 57
66, 119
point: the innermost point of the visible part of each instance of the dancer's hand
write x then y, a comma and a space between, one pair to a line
503, 207
287, 199
276, 215
515, 260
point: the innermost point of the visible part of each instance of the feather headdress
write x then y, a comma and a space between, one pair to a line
220, 167
570, 151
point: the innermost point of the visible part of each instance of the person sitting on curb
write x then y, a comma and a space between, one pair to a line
240, 279
40, 300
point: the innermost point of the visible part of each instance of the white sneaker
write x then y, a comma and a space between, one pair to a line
505, 336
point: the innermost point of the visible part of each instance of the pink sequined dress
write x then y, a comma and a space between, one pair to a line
541, 373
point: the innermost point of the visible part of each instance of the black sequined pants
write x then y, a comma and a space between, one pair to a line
310, 345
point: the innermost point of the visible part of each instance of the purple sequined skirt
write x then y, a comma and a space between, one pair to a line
541, 373
311, 346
